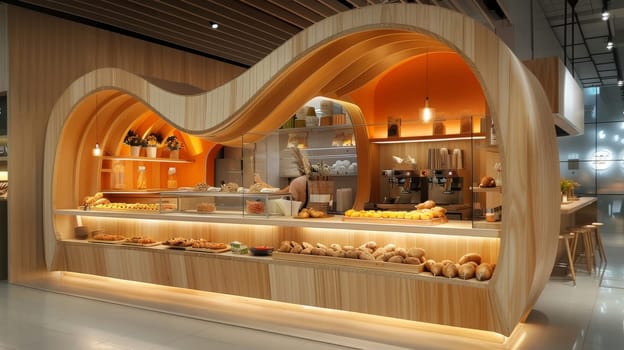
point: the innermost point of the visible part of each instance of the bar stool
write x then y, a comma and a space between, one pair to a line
601, 250
585, 233
567, 237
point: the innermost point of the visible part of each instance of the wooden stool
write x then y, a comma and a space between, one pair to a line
566, 237
601, 250
585, 233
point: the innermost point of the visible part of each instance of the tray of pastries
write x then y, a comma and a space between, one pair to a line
202, 245
107, 238
142, 241
178, 243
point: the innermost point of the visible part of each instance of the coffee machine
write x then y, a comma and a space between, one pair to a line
401, 189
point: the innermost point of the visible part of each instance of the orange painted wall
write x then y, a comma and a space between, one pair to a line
452, 88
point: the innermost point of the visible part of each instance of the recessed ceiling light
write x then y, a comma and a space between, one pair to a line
214, 25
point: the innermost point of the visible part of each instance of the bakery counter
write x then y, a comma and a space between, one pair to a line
351, 286
450, 228
576, 205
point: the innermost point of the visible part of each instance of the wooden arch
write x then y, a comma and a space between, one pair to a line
338, 55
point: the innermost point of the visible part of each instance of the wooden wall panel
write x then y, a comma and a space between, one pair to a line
4, 76
268, 93
45, 55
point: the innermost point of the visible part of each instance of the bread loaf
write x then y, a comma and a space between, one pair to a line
484, 272
470, 257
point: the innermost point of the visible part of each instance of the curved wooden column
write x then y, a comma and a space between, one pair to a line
324, 58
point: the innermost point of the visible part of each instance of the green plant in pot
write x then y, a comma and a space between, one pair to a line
567, 185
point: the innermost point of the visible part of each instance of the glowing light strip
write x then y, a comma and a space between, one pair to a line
429, 140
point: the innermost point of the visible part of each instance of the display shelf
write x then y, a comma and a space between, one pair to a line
312, 261
146, 159
487, 189
451, 228
429, 138
316, 128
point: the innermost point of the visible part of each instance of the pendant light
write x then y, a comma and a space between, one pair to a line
97, 151
427, 112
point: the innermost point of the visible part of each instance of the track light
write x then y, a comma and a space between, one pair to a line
620, 82
214, 25
609, 43
605, 15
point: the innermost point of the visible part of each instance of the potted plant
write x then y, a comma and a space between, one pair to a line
150, 143
566, 186
133, 140
173, 145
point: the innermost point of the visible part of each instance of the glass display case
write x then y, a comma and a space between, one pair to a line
227, 203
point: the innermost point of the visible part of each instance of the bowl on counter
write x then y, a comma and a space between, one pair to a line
261, 250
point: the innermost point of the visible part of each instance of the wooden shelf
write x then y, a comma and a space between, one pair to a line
487, 189
452, 228
429, 138
146, 159
316, 128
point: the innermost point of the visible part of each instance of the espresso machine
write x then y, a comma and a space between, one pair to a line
402, 189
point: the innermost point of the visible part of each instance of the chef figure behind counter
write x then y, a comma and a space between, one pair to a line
298, 187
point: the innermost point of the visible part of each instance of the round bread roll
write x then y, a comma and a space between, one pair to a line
467, 271
429, 204
416, 252
390, 247
335, 246
401, 251
307, 245
352, 254
379, 252
321, 245
396, 259
412, 260
318, 251
484, 272
450, 270
487, 181
366, 256
436, 269
348, 247
296, 249
284, 248
429, 264
306, 251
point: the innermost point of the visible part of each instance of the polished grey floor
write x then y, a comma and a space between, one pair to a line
587, 316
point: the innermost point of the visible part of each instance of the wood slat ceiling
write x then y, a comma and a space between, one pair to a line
249, 29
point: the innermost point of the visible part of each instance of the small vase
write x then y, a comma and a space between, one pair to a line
151, 152
174, 154
135, 151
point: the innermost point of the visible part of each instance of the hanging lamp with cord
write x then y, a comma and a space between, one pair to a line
97, 151
427, 112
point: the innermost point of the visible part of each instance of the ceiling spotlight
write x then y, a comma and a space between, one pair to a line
609, 44
214, 25
605, 15
620, 82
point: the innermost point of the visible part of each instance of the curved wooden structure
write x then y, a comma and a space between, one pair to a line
332, 58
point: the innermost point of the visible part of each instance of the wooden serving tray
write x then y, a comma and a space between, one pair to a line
207, 250
364, 264
436, 221
105, 242
141, 244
